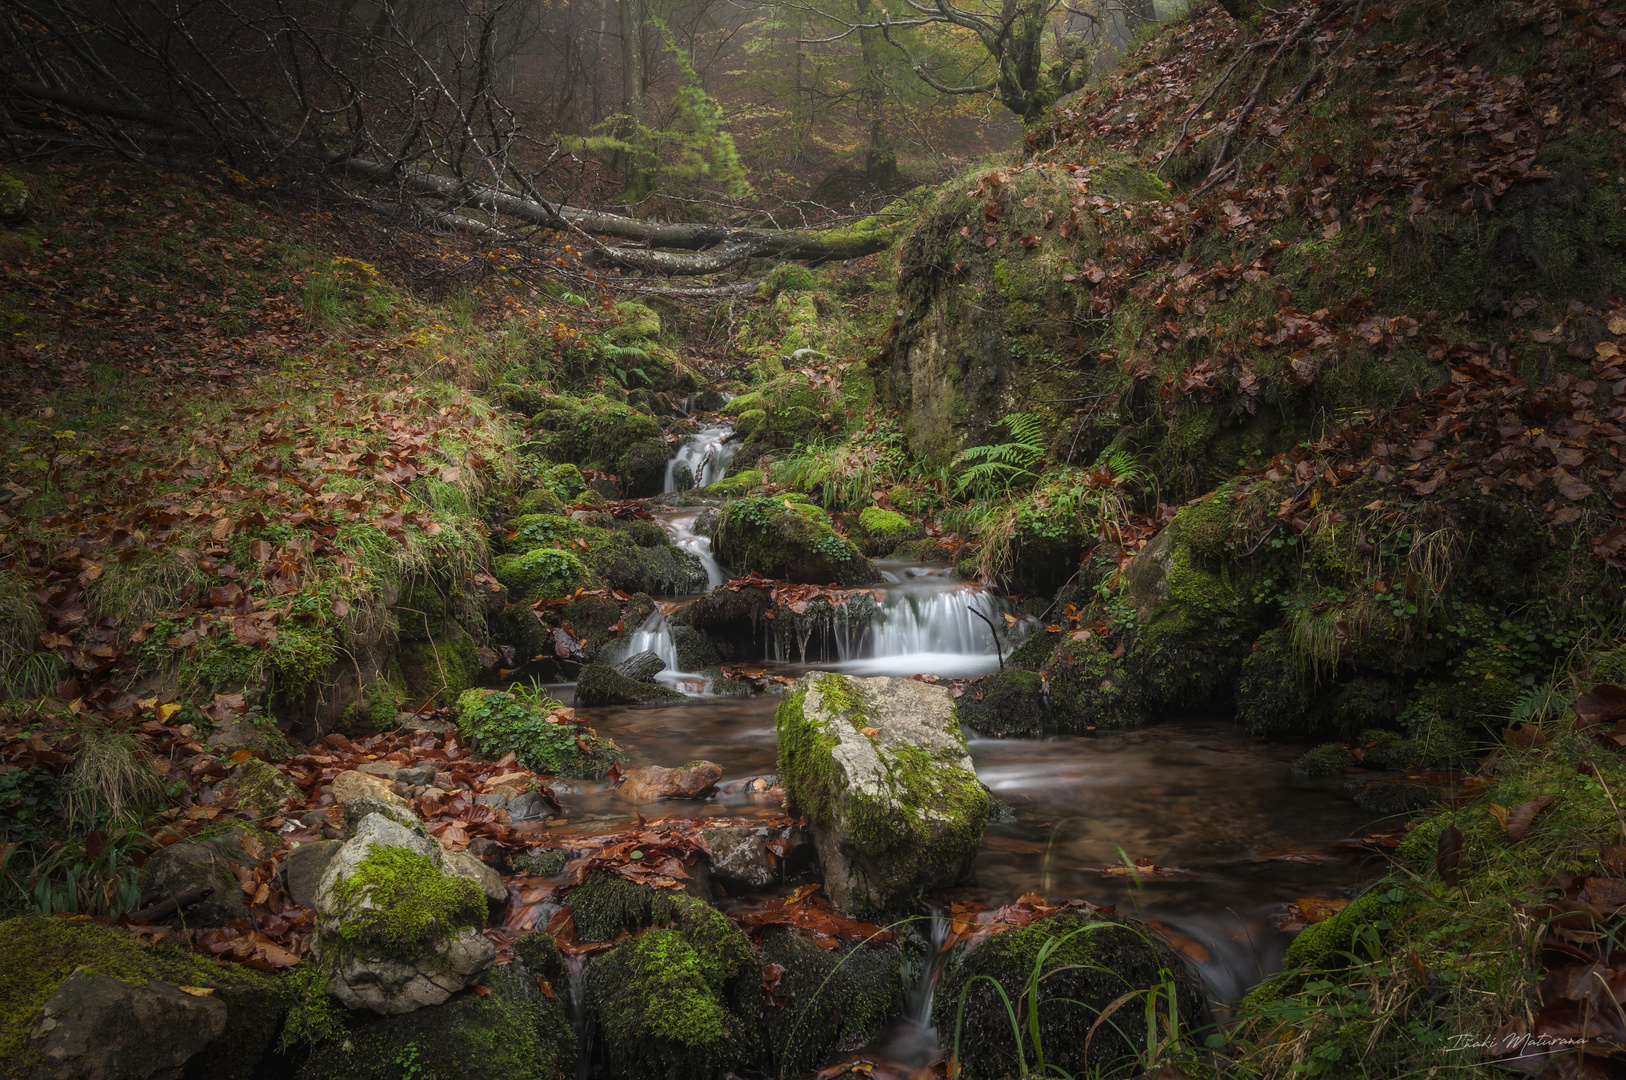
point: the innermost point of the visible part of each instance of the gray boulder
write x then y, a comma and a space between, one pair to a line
398, 921
180, 868
881, 770
303, 869
95, 1027
740, 857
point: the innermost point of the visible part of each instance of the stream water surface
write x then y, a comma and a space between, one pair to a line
1193, 794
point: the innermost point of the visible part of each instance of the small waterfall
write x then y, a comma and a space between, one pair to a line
917, 999
939, 621
579, 1021
680, 527
656, 637
707, 453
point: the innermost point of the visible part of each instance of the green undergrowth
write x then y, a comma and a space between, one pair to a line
1414, 969
524, 723
398, 901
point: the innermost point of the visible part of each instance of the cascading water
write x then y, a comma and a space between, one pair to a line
706, 453
580, 1021
926, 622
680, 527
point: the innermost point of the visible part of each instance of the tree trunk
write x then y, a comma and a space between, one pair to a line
707, 249
880, 161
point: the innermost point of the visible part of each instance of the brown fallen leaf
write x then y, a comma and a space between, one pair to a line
1320, 908
197, 991
869, 732
1520, 817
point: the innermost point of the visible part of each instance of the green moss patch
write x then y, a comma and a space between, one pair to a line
497, 723
399, 901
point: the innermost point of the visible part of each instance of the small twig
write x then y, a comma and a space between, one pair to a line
998, 649
165, 908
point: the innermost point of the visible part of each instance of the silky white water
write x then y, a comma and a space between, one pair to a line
707, 453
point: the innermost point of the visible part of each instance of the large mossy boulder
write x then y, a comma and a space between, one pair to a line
792, 541
832, 1000
543, 737
599, 684
508, 1028
679, 1000
881, 770
38, 954
397, 927
1082, 965
542, 573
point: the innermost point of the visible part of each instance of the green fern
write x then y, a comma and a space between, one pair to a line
996, 468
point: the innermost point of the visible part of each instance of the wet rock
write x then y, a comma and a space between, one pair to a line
1009, 703
351, 784
682, 476
513, 783
881, 770
832, 1001
600, 685
260, 786
303, 869
531, 806
695, 652
413, 722
792, 542
99, 1028
489, 852
383, 769
1097, 961
180, 868
357, 809
740, 858
692, 781
465, 864
643, 666
397, 927
681, 999
513, 1031
416, 775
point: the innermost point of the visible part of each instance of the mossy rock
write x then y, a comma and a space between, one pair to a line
513, 1031
642, 467
1273, 694
261, 786
881, 531
1327, 759
644, 533
1035, 650
36, 954
597, 684
541, 574
593, 619
749, 422
593, 431
682, 998
1328, 945
741, 483
442, 667
1009, 703
1092, 962
789, 541
629, 566
836, 1000
497, 723
540, 499
694, 649
881, 770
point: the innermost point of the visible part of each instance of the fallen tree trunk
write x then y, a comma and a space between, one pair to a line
705, 249
689, 249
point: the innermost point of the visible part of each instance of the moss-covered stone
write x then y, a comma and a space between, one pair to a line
1328, 759
442, 667
514, 1030
737, 485
883, 774
834, 1001
399, 902
790, 541
543, 573
1089, 962
881, 531
261, 786
597, 684
627, 565
682, 998
36, 954
593, 431
1013, 702
498, 722
540, 499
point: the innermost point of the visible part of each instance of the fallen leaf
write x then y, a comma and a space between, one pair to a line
197, 991
1520, 816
